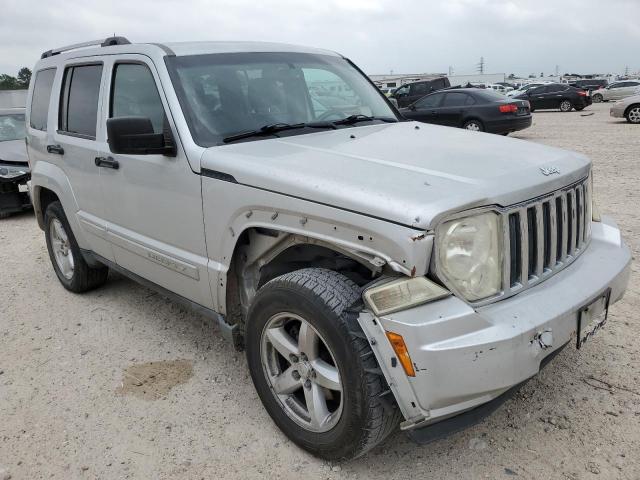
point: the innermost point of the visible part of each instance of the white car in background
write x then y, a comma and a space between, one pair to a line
628, 108
499, 88
616, 91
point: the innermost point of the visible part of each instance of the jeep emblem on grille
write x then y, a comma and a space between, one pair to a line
549, 170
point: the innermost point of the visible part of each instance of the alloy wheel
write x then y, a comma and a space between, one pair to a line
301, 372
634, 115
473, 126
61, 248
565, 106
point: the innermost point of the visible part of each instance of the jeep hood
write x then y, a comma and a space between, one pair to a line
408, 172
13, 151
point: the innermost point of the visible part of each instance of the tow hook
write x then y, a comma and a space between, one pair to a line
544, 339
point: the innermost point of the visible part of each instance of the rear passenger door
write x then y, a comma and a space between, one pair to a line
454, 108
75, 145
154, 202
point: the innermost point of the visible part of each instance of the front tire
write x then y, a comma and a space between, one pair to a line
597, 98
71, 269
313, 367
633, 114
565, 106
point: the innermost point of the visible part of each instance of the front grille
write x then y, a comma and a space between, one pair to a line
544, 235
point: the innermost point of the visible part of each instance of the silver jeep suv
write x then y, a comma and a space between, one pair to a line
377, 272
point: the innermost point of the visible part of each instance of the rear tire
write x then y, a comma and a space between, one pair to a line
473, 125
633, 114
72, 270
565, 106
597, 98
311, 307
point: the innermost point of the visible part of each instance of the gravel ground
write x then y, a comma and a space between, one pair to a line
122, 383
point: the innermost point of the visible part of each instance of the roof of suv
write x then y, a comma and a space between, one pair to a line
114, 45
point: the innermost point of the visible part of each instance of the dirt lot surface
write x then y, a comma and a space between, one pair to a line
122, 383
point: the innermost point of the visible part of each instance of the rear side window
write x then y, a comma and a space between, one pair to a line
134, 94
556, 88
455, 99
79, 102
40, 99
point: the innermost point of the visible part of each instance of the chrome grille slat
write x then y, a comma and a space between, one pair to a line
540, 240
553, 227
561, 228
565, 229
571, 223
524, 247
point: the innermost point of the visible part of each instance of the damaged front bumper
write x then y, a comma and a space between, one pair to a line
14, 192
465, 358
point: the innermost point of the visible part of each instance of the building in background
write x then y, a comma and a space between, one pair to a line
13, 98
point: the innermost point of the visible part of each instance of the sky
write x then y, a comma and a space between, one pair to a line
403, 36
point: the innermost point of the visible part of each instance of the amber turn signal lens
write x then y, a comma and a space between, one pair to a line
397, 342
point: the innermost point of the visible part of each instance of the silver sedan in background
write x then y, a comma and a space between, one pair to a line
628, 108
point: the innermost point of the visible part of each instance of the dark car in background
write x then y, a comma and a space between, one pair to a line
556, 96
590, 84
14, 168
473, 109
412, 92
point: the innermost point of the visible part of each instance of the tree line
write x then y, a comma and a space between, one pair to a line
19, 82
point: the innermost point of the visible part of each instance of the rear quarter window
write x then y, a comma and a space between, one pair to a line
40, 99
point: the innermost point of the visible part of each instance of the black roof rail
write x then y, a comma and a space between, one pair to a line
107, 42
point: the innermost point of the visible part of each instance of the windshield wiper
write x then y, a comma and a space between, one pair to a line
351, 119
264, 130
273, 128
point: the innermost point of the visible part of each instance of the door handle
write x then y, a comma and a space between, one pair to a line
57, 149
108, 162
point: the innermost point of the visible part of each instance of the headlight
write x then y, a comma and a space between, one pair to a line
470, 255
9, 171
401, 294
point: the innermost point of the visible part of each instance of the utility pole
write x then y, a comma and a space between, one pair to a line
450, 70
626, 71
557, 70
481, 66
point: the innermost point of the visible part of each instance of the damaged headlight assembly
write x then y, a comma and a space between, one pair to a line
469, 255
9, 171
401, 294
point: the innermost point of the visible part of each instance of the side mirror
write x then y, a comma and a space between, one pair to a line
412, 106
135, 136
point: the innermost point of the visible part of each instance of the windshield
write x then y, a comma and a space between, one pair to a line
11, 127
230, 93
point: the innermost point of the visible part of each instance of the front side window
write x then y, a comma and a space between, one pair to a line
40, 99
232, 93
134, 94
404, 90
430, 101
11, 127
79, 102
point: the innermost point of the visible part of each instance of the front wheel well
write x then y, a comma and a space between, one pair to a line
44, 197
261, 255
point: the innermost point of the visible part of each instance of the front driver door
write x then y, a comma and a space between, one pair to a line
426, 109
537, 97
154, 202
